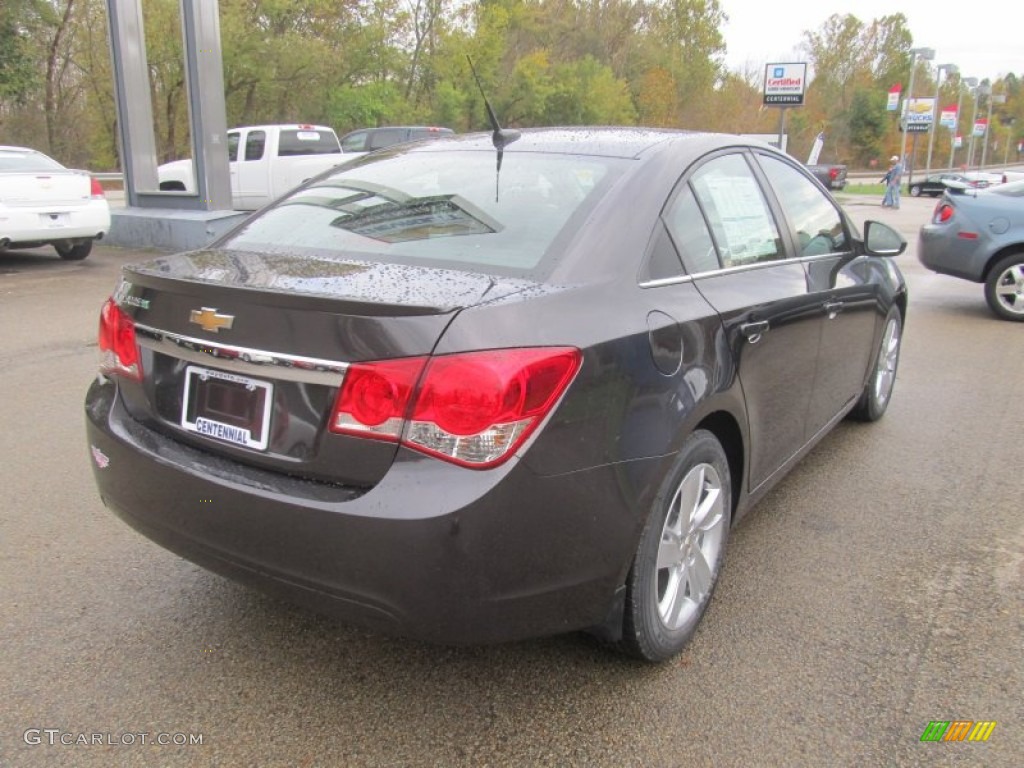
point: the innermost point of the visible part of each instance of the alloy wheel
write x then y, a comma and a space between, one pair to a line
888, 357
691, 547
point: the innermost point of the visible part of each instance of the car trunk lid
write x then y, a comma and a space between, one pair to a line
243, 353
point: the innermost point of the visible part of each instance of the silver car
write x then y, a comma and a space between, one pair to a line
979, 236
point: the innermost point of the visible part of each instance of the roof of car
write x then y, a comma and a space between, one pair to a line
600, 141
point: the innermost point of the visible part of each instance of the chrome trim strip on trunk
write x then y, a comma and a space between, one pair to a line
242, 360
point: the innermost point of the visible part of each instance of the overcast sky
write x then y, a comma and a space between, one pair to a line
984, 39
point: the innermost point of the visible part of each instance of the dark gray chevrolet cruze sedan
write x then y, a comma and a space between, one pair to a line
477, 390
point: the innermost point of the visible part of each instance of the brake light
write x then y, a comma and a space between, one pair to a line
95, 188
473, 409
119, 352
943, 213
833, 172
374, 398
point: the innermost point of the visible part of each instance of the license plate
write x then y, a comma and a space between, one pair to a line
223, 406
54, 220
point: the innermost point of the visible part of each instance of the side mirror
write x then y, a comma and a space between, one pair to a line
882, 240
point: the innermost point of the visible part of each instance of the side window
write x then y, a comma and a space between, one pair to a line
741, 222
255, 143
689, 232
816, 222
385, 137
232, 146
663, 260
354, 142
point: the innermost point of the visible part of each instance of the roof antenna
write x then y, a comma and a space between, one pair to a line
500, 137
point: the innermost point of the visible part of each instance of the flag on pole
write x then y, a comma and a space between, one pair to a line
947, 118
894, 98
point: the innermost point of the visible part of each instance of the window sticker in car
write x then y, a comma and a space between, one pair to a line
748, 231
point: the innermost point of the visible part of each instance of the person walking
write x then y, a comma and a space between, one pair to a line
893, 179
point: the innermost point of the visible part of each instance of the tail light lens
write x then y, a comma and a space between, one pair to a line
943, 213
119, 352
374, 398
833, 173
473, 409
95, 188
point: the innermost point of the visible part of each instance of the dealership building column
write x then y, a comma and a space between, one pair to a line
173, 220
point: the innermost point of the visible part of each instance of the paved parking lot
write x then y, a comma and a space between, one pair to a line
876, 589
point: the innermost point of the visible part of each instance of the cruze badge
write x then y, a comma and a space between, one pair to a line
210, 319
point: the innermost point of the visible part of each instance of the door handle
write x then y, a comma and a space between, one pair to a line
754, 331
833, 308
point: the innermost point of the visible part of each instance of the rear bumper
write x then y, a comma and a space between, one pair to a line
50, 224
434, 551
940, 250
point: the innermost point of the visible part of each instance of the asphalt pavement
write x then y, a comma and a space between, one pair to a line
876, 589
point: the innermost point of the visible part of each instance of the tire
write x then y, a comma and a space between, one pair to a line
70, 252
1004, 288
680, 554
915, 191
878, 391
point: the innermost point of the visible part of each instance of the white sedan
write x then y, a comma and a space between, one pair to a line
44, 203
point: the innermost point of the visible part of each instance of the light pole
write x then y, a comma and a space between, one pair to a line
927, 54
950, 69
998, 98
970, 82
981, 89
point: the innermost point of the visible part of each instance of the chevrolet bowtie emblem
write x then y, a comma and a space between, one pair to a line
210, 319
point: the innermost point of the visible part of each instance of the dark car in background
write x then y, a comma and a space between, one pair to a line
372, 139
472, 391
979, 236
935, 184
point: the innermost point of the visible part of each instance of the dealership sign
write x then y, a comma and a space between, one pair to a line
784, 84
980, 127
919, 114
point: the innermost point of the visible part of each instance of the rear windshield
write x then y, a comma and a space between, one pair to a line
28, 161
450, 208
307, 142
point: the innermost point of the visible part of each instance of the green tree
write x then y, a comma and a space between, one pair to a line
868, 124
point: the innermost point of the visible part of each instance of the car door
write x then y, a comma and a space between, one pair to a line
770, 319
253, 170
839, 284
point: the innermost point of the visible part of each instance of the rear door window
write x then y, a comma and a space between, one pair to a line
741, 222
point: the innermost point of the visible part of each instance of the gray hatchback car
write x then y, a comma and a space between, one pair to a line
979, 236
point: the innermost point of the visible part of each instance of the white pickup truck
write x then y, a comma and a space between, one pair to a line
265, 160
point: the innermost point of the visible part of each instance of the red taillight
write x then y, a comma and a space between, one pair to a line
473, 409
833, 172
374, 398
943, 213
95, 188
119, 353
